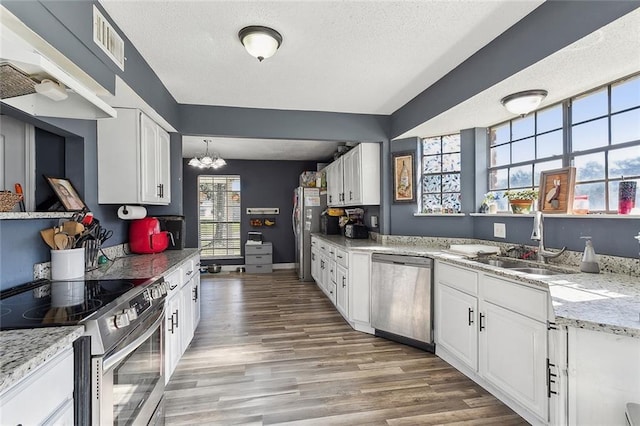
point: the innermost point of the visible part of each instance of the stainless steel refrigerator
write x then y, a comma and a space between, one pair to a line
308, 204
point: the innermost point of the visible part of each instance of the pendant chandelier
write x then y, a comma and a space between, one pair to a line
207, 161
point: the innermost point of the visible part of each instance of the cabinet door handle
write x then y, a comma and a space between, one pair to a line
470, 316
550, 377
189, 272
482, 327
195, 294
339, 257
350, 195
171, 329
176, 314
344, 284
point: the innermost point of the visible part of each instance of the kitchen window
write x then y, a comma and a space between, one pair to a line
597, 132
219, 216
441, 174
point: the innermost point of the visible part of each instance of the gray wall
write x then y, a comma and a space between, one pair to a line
263, 184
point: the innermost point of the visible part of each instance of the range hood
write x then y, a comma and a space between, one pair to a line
27, 60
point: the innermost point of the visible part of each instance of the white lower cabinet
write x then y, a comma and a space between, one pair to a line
456, 328
182, 313
342, 290
315, 264
359, 291
495, 331
44, 396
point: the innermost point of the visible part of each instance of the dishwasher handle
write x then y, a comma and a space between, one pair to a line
397, 259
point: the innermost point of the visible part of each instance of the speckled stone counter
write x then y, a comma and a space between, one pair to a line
142, 265
24, 350
601, 302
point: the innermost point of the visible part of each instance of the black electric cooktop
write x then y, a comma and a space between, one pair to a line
45, 303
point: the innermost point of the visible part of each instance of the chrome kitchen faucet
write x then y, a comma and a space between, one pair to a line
538, 235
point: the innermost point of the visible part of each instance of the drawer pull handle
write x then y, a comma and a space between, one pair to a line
470, 316
482, 327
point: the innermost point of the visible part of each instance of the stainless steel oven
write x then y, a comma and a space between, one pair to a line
128, 382
128, 377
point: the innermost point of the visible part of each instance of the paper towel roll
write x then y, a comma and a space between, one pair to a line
132, 212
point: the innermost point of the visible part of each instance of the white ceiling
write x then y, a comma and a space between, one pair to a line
349, 56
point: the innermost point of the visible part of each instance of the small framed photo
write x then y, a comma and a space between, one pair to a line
556, 190
66, 193
404, 185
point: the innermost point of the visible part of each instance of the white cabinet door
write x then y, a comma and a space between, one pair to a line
195, 297
315, 265
352, 175
342, 290
324, 273
513, 352
173, 342
186, 316
456, 329
335, 183
149, 151
359, 280
164, 166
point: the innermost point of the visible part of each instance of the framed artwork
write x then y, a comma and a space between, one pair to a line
556, 190
404, 185
66, 193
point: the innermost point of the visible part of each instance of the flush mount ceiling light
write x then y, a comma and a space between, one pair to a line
52, 90
522, 103
207, 161
260, 42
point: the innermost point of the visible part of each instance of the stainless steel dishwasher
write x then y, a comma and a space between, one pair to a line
402, 299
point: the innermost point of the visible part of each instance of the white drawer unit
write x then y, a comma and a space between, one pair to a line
258, 258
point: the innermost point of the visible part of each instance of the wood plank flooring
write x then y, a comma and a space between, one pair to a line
272, 350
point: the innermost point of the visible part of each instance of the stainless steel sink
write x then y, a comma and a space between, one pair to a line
508, 264
537, 271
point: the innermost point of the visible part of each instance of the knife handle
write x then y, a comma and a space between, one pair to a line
18, 188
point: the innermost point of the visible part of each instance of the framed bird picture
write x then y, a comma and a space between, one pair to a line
556, 190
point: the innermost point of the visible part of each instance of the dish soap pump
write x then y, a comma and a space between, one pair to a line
589, 259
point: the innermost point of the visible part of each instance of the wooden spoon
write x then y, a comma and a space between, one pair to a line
73, 228
61, 240
47, 236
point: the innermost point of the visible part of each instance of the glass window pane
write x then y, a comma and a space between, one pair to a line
500, 155
431, 200
625, 127
593, 134
520, 177
523, 127
523, 150
451, 201
614, 194
431, 183
432, 164
431, 146
498, 179
451, 143
451, 182
549, 144
589, 167
549, 119
542, 166
500, 134
589, 106
624, 162
625, 94
595, 191
450, 162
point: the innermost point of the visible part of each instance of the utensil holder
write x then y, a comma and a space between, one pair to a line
91, 251
67, 264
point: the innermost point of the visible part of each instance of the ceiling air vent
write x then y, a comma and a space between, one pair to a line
107, 38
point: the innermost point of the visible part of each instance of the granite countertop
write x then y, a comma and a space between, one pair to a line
142, 265
601, 302
22, 351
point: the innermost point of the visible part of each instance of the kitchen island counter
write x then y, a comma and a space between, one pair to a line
22, 351
603, 302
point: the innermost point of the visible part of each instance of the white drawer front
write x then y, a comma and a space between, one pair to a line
342, 258
188, 269
518, 298
458, 278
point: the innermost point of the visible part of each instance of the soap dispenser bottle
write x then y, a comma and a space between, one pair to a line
589, 259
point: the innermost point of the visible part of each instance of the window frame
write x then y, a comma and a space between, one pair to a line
421, 208
568, 155
236, 252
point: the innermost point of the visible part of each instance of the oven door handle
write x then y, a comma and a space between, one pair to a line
114, 359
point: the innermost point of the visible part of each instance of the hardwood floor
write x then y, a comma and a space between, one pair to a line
272, 350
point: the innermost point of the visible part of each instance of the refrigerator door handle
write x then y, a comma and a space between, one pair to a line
293, 214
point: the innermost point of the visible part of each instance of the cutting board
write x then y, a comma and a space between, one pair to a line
474, 249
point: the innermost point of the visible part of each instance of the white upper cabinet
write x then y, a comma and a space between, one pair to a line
354, 179
134, 163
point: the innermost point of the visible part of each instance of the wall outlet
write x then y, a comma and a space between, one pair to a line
374, 221
500, 230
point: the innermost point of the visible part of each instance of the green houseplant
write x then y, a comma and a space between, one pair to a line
521, 200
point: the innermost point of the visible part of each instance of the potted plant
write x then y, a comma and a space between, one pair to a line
489, 201
521, 200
